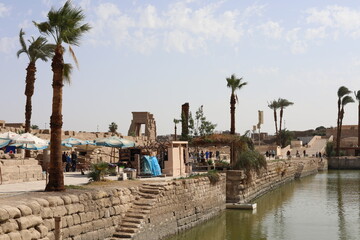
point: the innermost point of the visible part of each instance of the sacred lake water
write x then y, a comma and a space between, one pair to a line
322, 206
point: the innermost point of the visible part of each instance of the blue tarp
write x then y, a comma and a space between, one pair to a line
150, 165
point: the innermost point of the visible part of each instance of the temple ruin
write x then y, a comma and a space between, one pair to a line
140, 118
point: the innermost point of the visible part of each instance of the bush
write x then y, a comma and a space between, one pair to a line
250, 160
213, 176
210, 162
329, 149
98, 171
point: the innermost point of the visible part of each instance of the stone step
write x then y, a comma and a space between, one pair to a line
145, 202
123, 235
147, 196
129, 225
132, 220
149, 190
135, 215
139, 211
128, 230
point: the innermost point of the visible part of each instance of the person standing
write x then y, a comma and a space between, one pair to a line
68, 162
73, 161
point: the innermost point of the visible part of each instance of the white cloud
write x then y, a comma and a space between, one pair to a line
266, 70
272, 29
182, 42
298, 45
4, 10
26, 24
149, 18
7, 44
336, 18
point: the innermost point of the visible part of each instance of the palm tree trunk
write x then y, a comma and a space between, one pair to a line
29, 91
175, 132
338, 134
232, 113
280, 125
338, 138
56, 175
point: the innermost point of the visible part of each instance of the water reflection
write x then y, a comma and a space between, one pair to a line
325, 206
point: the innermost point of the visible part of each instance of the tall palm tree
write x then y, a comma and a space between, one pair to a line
357, 96
37, 49
65, 26
274, 105
283, 103
234, 83
341, 93
345, 100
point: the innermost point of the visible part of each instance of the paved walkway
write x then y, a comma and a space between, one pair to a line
70, 178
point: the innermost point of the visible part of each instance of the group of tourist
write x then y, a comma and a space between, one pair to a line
270, 153
70, 161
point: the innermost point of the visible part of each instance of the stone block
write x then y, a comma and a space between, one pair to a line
25, 210
55, 201
66, 199
42, 202
15, 236
75, 230
68, 220
29, 221
34, 206
46, 213
74, 198
77, 219
9, 226
12, 211
4, 215
59, 211
4, 237
71, 209
86, 227
100, 195
98, 224
49, 224
25, 235
42, 229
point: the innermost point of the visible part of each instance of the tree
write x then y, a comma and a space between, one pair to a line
285, 136
283, 103
274, 105
65, 26
37, 49
113, 127
343, 99
234, 83
200, 126
176, 121
357, 96
34, 127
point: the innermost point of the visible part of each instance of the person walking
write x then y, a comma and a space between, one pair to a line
68, 162
73, 161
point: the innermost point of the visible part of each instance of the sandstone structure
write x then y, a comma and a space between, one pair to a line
140, 118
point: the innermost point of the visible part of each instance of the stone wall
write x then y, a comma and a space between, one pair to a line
182, 205
88, 215
243, 189
20, 170
344, 163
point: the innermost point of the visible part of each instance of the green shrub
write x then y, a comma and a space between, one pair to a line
250, 160
213, 176
329, 149
98, 171
210, 162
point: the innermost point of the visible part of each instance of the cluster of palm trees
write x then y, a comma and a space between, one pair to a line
64, 25
281, 104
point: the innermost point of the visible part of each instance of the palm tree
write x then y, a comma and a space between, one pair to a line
341, 93
283, 103
357, 96
38, 49
233, 83
274, 105
176, 121
65, 26
345, 100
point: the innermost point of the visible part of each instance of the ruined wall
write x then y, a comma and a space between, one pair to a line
240, 188
182, 205
20, 170
88, 215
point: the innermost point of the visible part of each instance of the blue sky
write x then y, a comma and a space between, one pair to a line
156, 55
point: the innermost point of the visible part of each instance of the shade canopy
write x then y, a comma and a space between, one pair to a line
8, 135
4, 142
70, 142
29, 141
29, 146
114, 142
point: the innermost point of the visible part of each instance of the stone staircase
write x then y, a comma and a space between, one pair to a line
137, 216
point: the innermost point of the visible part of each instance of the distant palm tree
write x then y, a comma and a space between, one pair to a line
65, 26
357, 96
233, 83
37, 49
341, 93
283, 103
176, 121
274, 105
345, 100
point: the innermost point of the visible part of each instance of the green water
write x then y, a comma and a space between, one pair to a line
325, 206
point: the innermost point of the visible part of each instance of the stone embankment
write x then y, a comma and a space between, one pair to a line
243, 188
152, 211
345, 163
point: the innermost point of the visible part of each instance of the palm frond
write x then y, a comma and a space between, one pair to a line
22, 43
346, 100
357, 95
67, 70
74, 56
342, 91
